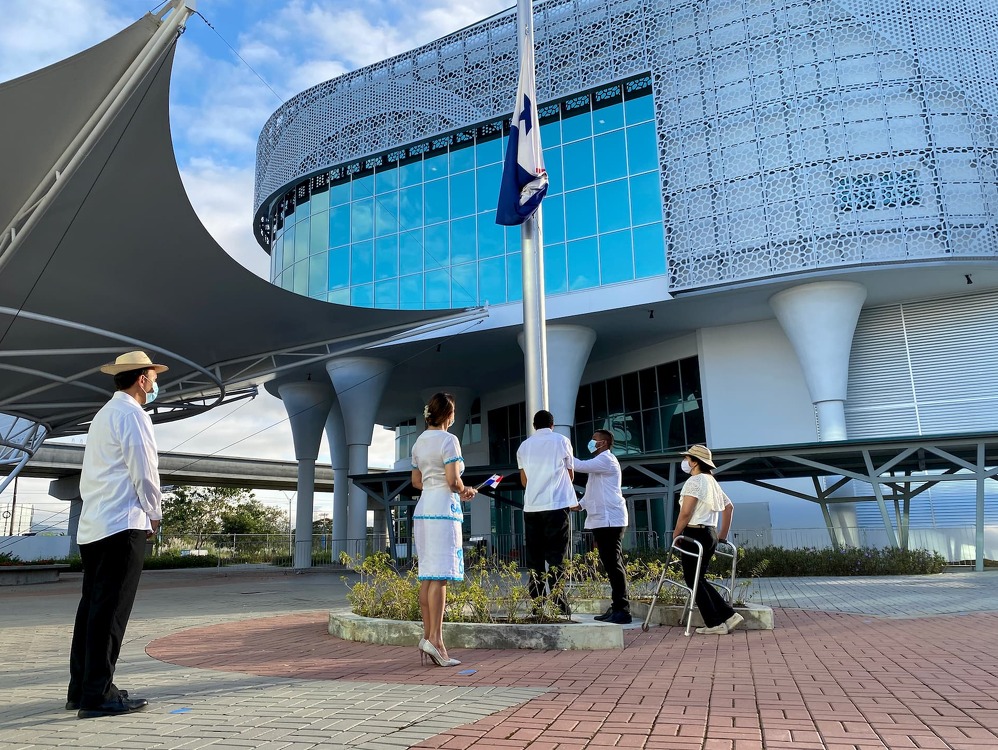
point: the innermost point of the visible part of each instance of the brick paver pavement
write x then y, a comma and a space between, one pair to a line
243, 660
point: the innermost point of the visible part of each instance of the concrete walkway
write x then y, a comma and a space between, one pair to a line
240, 659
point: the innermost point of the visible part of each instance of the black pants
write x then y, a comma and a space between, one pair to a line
608, 545
111, 571
545, 537
713, 609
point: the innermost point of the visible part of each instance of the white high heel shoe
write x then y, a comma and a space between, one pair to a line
427, 649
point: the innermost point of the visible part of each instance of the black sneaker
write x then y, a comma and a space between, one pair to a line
619, 618
605, 616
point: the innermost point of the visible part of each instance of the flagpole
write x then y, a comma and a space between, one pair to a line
532, 257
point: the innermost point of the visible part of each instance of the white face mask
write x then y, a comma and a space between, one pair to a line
685, 466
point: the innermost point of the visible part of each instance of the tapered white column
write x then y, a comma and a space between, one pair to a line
308, 406
820, 320
568, 352
339, 457
359, 384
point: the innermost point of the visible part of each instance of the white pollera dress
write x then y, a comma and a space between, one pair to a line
438, 516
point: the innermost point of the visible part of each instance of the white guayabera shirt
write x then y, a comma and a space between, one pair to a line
604, 502
120, 479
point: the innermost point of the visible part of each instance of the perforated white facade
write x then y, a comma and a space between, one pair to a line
792, 135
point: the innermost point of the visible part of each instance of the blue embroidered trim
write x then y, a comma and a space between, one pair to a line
414, 466
452, 460
437, 518
438, 578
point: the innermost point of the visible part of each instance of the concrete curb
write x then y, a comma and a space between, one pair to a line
757, 616
571, 636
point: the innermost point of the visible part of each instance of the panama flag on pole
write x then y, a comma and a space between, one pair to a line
492, 481
524, 179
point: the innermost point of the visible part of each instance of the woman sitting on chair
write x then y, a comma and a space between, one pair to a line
703, 503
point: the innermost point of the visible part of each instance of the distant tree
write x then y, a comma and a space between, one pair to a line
322, 526
200, 512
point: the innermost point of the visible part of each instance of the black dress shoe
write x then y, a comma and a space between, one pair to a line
605, 616
72, 705
619, 618
113, 707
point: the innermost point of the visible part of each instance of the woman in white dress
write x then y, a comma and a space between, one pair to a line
437, 466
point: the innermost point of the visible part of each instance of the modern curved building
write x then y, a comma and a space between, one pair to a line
769, 222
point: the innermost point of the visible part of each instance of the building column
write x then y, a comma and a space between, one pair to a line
568, 352
308, 405
820, 320
339, 457
68, 488
359, 384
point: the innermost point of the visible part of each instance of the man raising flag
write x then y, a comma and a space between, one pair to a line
524, 179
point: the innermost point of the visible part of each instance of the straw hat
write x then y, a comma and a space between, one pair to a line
132, 361
700, 453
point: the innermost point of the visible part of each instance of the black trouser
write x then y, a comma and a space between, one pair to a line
608, 545
111, 570
545, 537
713, 609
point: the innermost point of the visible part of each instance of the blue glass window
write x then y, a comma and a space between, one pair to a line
361, 263
411, 207
386, 181
464, 285
492, 281
301, 210
649, 251
362, 220
339, 194
436, 247
319, 202
611, 156
362, 296
615, 256
411, 251
339, 268
289, 247
551, 133
301, 278
301, 240
386, 294
386, 257
437, 293
639, 110
514, 277
319, 238
489, 152
491, 240
580, 213
462, 194
583, 264
553, 211
386, 211
318, 282
435, 166
488, 179
339, 226
411, 174
277, 256
646, 199
363, 187
411, 291
462, 159
462, 240
614, 211
579, 164
556, 174
555, 269
435, 206
339, 297
576, 126
608, 118
642, 149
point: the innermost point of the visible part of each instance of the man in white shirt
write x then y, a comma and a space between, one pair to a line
545, 462
122, 503
606, 517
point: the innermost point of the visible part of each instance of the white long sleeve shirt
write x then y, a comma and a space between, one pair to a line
120, 479
604, 502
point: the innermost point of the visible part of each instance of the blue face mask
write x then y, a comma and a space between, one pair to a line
591, 445
151, 395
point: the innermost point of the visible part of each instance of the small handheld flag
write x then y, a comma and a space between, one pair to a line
492, 481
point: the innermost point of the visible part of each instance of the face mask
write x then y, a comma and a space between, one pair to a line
151, 395
685, 466
591, 445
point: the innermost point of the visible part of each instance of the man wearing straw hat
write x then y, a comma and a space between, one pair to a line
119, 485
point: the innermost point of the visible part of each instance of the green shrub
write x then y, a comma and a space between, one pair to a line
849, 561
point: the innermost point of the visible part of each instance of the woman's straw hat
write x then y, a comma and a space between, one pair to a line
700, 453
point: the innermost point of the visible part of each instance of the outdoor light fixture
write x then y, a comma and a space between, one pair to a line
651, 314
967, 277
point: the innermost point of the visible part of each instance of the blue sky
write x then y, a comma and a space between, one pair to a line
218, 107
